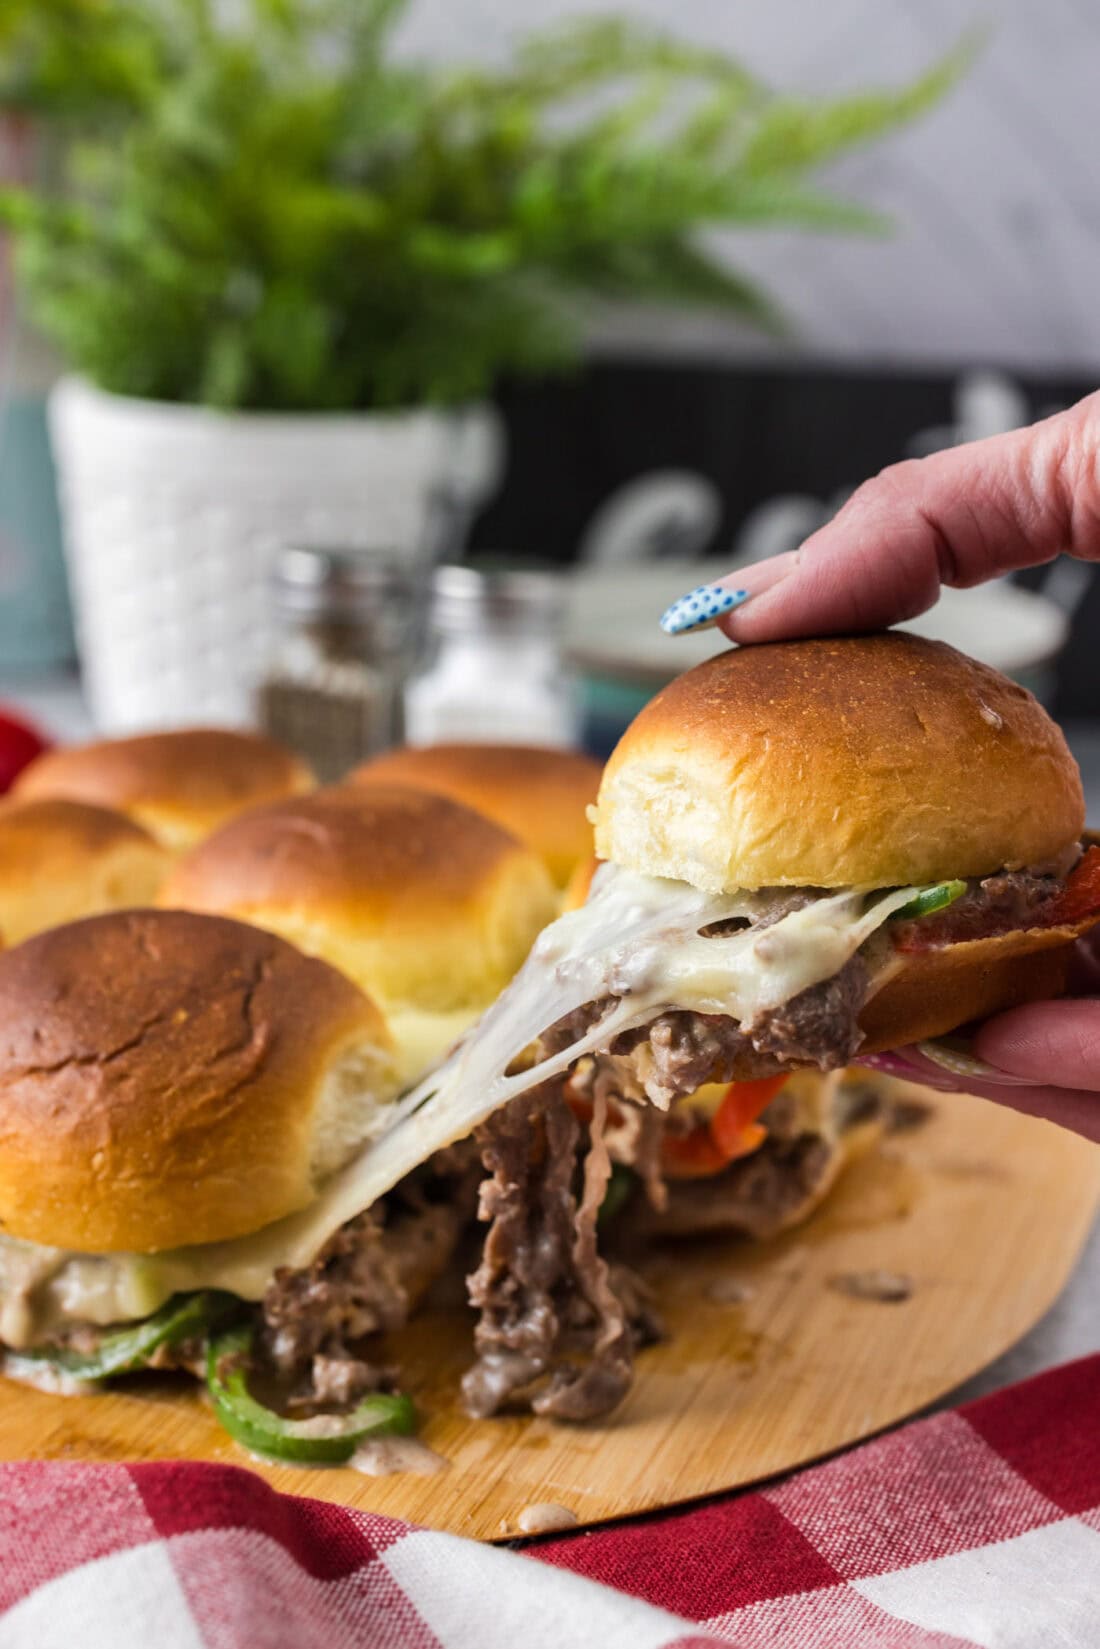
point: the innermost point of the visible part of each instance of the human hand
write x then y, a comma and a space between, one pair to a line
958, 518
1027, 1047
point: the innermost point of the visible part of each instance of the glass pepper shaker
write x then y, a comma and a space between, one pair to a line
349, 627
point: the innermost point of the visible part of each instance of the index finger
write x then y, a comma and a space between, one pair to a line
958, 518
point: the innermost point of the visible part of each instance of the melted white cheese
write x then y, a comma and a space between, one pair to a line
637, 940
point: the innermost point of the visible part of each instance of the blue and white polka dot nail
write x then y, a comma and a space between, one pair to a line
701, 608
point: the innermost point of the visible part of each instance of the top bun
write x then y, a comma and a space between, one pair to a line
60, 860
168, 1079
179, 785
878, 761
540, 795
428, 906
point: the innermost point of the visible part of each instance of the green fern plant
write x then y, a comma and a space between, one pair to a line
273, 212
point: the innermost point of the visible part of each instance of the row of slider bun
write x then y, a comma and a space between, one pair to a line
97, 827
181, 1087
424, 879
181, 786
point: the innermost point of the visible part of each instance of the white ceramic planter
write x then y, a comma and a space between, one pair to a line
172, 513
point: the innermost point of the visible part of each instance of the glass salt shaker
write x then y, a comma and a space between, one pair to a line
495, 672
350, 626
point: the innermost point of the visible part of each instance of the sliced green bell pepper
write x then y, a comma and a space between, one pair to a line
323, 1440
185, 1317
930, 899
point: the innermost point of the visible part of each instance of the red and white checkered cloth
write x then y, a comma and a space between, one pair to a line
980, 1527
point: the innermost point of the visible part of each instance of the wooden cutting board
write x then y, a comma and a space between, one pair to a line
984, 1210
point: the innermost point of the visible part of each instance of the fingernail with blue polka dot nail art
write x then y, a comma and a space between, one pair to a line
701, 608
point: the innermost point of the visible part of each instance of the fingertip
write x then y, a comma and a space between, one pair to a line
1073, 1109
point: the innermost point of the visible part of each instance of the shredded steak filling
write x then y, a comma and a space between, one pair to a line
820, 1026
311, 1316
543, 1291
1011, 899
680, 1050
365, 1281
756, 1197
760, 1194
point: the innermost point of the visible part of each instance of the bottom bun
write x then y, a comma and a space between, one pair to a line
929, 993
836, 1120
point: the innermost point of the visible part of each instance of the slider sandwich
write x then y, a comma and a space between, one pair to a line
179, 785
189, 1109
179, 1096
429, 907
814, 851
539, 794
749, 1158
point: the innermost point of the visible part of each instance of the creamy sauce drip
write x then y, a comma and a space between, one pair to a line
545, 1517
386, 1456
46, 1377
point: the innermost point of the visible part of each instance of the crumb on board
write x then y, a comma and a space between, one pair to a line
891, 1286
729, 1291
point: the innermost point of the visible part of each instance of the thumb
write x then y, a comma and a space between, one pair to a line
1054, 1043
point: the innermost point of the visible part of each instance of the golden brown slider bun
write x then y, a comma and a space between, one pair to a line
540, 795
427, 905
180, 785
876, 761
928, 993
61, 860
168, 1079
880, 761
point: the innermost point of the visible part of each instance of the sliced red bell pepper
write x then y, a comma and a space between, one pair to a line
692, 1156
1081, 895
732, 1132
737, 1114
